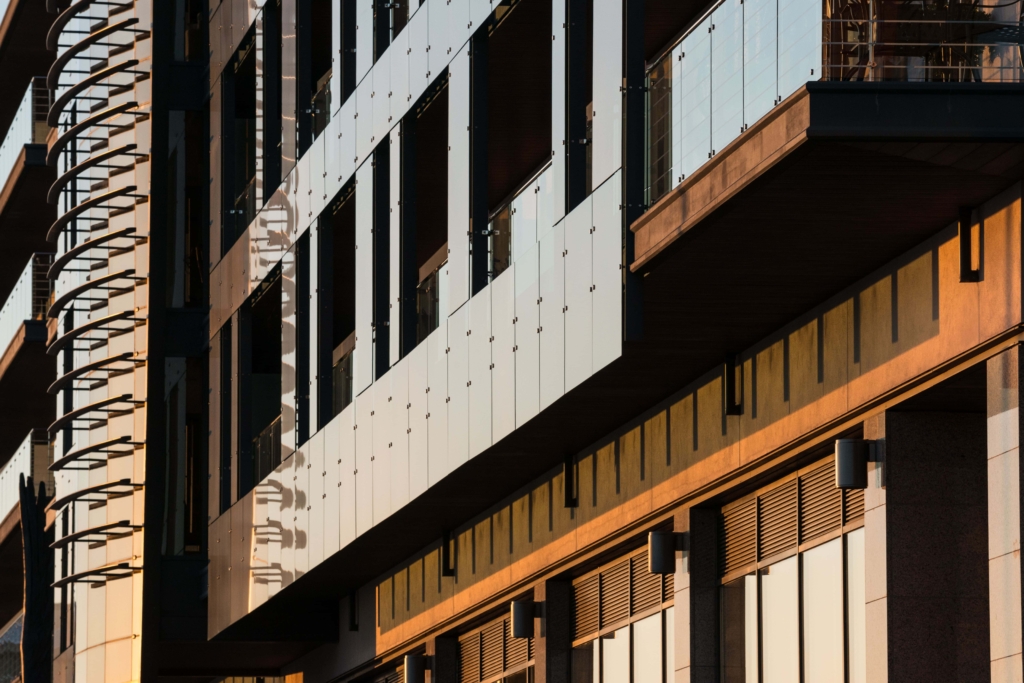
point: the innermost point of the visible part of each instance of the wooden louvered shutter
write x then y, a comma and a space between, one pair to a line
492, 650
645, 587
615, 594
587, 596
517, 650
820, 503
469, 658
394, 677
853, 504
668, 592
777, 520
738, 536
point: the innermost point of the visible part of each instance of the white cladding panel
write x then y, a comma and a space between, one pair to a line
314, 448
479, 10
302, 188
362, 371
381, 101
527, 342
364, 121
552, 324
280, 518
395, 245
607, 249
503, 358
347, 141
524, 221
335, 56
437, 403
364, 38
398, 441
312, 262
546, 201
347, 496
419, 64
458, 23
399, 92
578, 306
479, 384
364, 465
332, 157
607, 141
289, 341
418, 422
381, 458
440, 47
332, 490
458, 181
458, 389
300, 478
317, 172
558, 94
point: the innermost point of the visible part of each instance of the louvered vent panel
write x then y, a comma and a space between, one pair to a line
854, 504
738, 536
469, 658
492, 655
646, 587
615, 594
820, 503
669, 589
777, 516
394, 677
530, 650
587, 596
517, 650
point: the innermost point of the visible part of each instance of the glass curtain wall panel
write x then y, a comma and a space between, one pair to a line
418, 421
479, 383
437, 404
552, 322
503, 358
300, 477
458, 180
364, 38
363, 354
395, 246
381, 98
398, 439
347, 497
559, 40
607, 108
332, 490
458, 23
314, 449
780, 614
458, 388
440, 52
419, 57
364, 121
659, 128
289, 344
726, 74
695, 101
823, 640
856, 623
607, 272
800, 38
579, 312
364, 464
381, 458
760, 58
527, 331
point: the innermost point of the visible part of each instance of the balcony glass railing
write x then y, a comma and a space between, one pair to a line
28, 127
743, 58
10, 649
518, 224
320, 106
29, 300
266, 450
32, 459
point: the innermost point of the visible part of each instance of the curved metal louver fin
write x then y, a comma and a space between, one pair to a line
59, 343
54, 193
99, 575
71, 254
53, 76
109, 489
102, 447
99, 406
64, 380
53, 153
53, 116
95, 202
58, 305
105, 531
53, 35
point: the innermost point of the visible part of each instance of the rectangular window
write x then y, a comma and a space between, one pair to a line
780, 637
337, 301
823, 612
856, 607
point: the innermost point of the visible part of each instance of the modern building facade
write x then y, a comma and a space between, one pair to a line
539, 341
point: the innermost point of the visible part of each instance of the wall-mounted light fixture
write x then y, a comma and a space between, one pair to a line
415, 668
661, 550
852, 458
522, 615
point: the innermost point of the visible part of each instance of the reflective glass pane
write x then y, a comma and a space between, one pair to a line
695, 100
659, 128
586, 667
855, 606
726, 74
760, 58
647, 648
615, 656
780, 614
800, 34
823, 612
739, 630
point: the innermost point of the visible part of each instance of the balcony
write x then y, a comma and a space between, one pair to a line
23, 28
32, 459
25, 369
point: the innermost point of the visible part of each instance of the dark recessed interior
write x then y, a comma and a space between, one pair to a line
343, 275
664, 20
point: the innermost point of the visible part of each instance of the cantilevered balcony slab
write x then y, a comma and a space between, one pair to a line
23, 53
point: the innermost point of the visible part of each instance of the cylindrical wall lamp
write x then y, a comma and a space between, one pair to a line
852, 457
661, 550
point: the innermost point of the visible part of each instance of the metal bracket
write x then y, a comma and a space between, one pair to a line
967, 272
